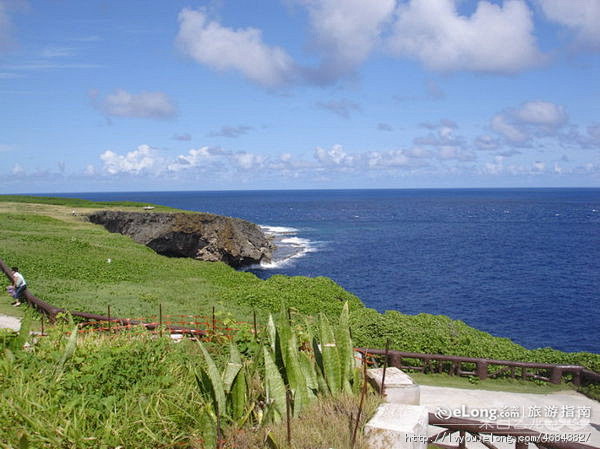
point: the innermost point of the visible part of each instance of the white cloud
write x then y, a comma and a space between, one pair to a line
502, 125
494, 38
542, 113
222, 48
336, 156
345, 32
143, 105
141, 160
581, 16
247, 161
200, 157
531, 119
448, 152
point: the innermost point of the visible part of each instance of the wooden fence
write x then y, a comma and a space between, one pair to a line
486, 368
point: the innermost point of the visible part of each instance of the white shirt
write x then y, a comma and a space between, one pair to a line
19, 279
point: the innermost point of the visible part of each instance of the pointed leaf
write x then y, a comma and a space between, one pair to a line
238, 396
345, 349
295, 376
215, 381
331, 361
272, 333
233, 367
274, 386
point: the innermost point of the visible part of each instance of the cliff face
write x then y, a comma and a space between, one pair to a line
200, 236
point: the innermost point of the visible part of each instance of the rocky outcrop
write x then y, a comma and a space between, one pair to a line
197, 235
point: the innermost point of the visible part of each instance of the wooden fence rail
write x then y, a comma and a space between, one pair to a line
487, 368
52, 311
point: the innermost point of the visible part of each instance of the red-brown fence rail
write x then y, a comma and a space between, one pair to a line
52, 311
486, 368
521, 437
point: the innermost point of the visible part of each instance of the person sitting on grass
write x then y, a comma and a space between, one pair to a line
19, 285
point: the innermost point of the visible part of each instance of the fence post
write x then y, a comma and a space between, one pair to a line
109, 323
395, 360
385, 365
160, 318
214, 323
254, 322
482, 370
556, 375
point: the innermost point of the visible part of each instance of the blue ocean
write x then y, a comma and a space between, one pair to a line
518, 263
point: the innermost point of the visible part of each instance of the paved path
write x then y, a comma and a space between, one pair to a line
565, 412
10, 322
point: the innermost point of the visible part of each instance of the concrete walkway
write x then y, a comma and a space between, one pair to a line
10, 322
566, 413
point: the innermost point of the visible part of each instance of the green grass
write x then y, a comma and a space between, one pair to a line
77, 203
511, 385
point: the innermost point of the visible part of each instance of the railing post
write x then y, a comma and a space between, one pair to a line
395, 360
462, 444
577, 377
556, 375
482, 370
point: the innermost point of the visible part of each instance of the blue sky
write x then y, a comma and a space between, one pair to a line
286, 94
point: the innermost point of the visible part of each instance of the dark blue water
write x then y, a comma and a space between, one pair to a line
519, 263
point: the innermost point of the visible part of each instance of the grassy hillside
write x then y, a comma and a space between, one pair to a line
66, 262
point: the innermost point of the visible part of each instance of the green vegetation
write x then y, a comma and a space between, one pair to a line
92, 390
76, 202
66, 262
512, 385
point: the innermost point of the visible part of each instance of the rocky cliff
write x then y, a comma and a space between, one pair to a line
199, 235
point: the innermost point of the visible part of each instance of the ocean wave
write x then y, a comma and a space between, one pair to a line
278, 230
290, 247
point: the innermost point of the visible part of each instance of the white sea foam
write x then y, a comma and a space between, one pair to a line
289, 246
278, 230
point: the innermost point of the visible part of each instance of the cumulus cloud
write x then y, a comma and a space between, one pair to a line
344, 33
336, 158
231, 131
542, 113
344, 108
581, 16
247, 161
199, 157
531, 119
495, 38
141, 160
242, 50
143, 105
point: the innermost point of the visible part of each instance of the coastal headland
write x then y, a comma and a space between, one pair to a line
202, 236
